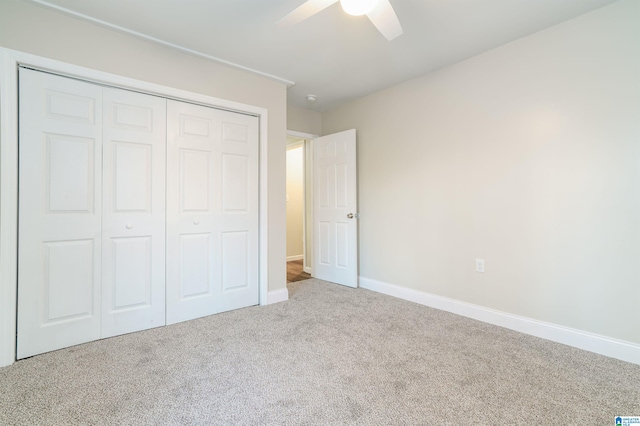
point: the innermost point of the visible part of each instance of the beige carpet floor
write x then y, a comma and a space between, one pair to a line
330, 355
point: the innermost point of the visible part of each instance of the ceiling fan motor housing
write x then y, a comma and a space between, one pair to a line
357, 7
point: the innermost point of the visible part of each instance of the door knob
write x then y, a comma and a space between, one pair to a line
350, 215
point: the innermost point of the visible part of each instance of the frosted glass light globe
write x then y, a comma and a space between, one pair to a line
358, 7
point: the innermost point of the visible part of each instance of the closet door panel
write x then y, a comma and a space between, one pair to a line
239, 210
134, 134
59, 231
195, 269
192, 232
212, 211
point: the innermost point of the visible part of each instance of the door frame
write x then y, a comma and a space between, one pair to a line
10, 60
291, 146
307, 205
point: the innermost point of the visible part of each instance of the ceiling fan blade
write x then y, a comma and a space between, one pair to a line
306, 10
385, 20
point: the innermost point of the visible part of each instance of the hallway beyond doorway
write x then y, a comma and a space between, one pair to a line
295, 271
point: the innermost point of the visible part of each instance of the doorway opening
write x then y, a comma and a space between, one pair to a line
298, 209
328, 238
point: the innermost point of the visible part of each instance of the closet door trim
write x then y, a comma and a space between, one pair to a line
10, 60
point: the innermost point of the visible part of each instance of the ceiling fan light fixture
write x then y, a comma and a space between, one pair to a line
358, 7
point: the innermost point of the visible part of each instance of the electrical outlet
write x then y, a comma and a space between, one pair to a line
479, 265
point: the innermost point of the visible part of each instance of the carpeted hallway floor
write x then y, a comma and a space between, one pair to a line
330, 355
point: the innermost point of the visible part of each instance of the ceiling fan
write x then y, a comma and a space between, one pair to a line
380, 12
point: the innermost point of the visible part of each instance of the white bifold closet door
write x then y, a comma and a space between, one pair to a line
212, 211
135, 211
91, 212
60, 213
133, 218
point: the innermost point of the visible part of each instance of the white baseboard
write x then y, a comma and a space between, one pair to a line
277, 296
296, 257
614, 348
307, 269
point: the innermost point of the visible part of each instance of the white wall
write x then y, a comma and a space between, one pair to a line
304, 120
527, 156
295, 200
39, 31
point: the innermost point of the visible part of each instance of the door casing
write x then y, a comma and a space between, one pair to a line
10, 60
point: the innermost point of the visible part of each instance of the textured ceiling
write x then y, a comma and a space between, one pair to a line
332, 55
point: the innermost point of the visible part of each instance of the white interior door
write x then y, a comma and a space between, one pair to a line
133, 221
212, 211
335, 226
60, 209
